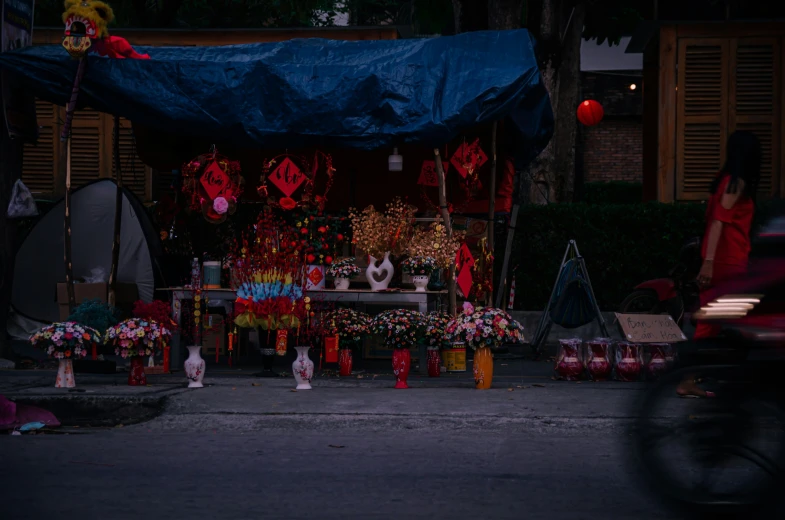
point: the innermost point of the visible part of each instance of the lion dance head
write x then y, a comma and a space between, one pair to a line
85, 21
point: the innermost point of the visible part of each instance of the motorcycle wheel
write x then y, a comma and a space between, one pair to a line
717, 436
641, 301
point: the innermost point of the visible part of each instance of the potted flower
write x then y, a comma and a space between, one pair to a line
136, 338
65, 342
400, 329
481, 329
420, 269
343, 271
350, 326
435, 338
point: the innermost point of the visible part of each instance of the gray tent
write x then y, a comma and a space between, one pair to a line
39, 261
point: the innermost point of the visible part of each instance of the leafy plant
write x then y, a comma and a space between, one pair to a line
95, 314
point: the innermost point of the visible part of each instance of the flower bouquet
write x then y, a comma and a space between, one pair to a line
343, 271
350, 326
482, 328
435, 338
418, 265
65, 341
400, 329
135, 338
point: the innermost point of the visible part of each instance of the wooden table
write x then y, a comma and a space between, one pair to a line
425, 301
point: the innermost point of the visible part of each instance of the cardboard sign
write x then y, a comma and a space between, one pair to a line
214, 180
650, 328
331, 349
287, 177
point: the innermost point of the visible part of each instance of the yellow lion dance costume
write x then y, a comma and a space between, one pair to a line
86, 26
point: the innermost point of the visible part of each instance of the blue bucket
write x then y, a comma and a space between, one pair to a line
212, 275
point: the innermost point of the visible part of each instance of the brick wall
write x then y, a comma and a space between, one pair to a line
613, 150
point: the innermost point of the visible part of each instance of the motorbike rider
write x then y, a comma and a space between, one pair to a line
726, 241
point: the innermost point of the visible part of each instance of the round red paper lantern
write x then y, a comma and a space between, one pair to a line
590, 112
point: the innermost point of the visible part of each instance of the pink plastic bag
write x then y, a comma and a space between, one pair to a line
13, 415
597, 357
569, 362
629, 362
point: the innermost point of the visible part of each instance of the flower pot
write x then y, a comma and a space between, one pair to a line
432, 361
402, 360
569, 365
194, 367
379, 276
598, 362
303, 369
341, 284
420, 283
483, 368
65, 374
136, 375
315, 278
345, 362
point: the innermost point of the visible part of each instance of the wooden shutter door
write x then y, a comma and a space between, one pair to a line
136, 174
702, 114
39, 167
755, 97
88, 139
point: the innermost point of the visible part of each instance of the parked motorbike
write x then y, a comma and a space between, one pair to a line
724, 456
676, 294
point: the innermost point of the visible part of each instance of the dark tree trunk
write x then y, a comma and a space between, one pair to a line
10, 170
505, 14
470, 15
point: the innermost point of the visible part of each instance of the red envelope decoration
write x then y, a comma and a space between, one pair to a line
281, 340
287, 177
331, 349
214, 180
464, 258
468, 158
428, 174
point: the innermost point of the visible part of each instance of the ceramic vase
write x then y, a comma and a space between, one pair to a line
433, 362
658, 363
65, 374
420, 283
136, 375
483, 368
379, 276
194, 367
628, 362
598, 363
303, 368
402, 360
345, 362
569, 365
341, 284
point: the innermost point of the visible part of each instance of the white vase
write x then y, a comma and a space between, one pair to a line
420, 283
374, 272
194, 367
341, 284
65, 374
303, 368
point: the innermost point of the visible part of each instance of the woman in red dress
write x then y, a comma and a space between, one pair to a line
726, 241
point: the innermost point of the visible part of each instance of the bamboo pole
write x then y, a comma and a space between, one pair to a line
492, 208
118, 215
453, 303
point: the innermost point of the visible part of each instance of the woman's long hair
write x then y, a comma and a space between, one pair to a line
743, 162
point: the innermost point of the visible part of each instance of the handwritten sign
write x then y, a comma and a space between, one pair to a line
650, 328
214, 180
287, 177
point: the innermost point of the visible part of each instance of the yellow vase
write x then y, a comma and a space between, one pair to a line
483, 368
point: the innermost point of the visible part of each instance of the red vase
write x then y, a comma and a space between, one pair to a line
136, 375
658, 362
598, 362
433, 360
402, 360
568, 364
345, 362
628, 362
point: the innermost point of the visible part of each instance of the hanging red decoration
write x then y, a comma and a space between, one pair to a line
214, 184
468, 158
290, 174
428, 174
590, 112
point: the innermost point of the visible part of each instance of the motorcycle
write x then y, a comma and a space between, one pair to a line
676, 294
733, 442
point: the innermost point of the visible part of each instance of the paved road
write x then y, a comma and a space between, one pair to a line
334, 474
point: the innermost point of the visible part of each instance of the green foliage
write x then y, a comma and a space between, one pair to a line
623, 245
609, 20
95, 314
614, 192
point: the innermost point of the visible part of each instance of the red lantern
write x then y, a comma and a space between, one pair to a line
590, 112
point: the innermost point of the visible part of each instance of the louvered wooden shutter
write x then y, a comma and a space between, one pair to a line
702, 114
88, 140
136, 175
755, 97
38, 161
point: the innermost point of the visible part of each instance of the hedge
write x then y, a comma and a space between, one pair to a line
613, 192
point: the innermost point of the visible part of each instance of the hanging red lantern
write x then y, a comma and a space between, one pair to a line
590, 112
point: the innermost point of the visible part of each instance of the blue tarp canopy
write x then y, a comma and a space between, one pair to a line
312, 92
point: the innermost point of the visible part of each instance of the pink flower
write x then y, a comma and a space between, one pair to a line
220, 205
468, 308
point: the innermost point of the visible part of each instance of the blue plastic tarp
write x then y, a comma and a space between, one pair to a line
306, 92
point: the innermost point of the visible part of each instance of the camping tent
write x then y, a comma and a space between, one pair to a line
39, 261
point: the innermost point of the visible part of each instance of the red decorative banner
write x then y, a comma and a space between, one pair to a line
465, 280
214, 180
428, 174
468, 158
281, 340
287, 177
463, 258
331, 349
